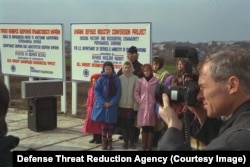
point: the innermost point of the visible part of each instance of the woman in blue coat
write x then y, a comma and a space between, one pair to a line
107, 93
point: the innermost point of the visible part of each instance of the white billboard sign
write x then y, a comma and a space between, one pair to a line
93, 44
34, 50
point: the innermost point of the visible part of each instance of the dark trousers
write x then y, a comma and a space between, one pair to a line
128, 135
126, 122
136, 134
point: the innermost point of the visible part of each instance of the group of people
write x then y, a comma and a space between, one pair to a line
222, 109
127, 99
124, 99
112, 100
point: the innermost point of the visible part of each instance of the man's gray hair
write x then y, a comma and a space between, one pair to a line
230, 62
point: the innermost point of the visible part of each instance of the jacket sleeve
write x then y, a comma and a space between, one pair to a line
135, 104
90, 98
209, 130
98, 91
87, 103
115, 99
137, 91
172, 140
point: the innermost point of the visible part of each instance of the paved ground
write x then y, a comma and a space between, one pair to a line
67, 136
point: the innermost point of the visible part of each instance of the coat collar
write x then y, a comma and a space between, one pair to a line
243, 108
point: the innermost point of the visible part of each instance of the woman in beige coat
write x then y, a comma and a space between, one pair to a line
127, 105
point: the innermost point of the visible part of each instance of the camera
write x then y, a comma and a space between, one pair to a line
188, 92
185, 94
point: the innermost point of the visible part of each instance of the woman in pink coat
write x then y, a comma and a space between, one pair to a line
90, 126
144, 94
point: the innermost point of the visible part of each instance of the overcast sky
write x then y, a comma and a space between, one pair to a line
172, 20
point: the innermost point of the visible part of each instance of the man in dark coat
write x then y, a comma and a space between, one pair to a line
132, 55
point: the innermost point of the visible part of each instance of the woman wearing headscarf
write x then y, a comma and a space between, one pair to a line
107, 93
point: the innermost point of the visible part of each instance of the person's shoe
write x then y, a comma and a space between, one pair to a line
132, 145
136, 140
104, 143
109, 144
99, 141
92, 140
125, 146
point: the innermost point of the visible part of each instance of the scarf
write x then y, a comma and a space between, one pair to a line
111, 86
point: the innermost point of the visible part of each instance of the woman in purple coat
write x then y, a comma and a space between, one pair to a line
144, 94
107, 94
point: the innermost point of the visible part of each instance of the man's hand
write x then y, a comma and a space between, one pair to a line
199, 111
169, 115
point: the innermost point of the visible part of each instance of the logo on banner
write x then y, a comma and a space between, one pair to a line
13, 68
85, 72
